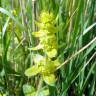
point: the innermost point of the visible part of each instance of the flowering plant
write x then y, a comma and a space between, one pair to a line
44, 65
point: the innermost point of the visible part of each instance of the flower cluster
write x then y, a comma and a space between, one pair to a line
46, 34
48, 43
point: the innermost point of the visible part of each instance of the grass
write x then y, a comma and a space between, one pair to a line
76, 22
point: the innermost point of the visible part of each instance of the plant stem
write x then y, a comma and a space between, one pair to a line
74, 55
33, 14
39, 86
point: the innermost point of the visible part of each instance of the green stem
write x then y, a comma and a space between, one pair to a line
39, 86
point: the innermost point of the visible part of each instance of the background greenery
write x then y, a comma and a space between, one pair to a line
77, 28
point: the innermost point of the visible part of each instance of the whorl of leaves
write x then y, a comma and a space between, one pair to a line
48, 44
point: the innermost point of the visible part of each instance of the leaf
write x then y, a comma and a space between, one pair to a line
50, 79
51, 28
40, 33
28, 89
52, 53
44, 92
5, 26
38, 47
56, 63
4, 11
34, 70
50, 66
37, 58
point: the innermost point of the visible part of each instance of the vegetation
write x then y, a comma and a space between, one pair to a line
47, 47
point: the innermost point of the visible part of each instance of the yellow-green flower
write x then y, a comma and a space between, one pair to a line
14, 12
44, 65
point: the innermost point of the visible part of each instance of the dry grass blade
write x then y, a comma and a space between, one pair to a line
77, 53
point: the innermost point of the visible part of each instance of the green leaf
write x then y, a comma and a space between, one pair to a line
40, 33
38, 58
4, 11
28, 89
56, 63
5, 27
44, 92
50, 79
52, 53
34, 70
38, 47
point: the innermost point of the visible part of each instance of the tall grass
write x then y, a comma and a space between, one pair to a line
76, 20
